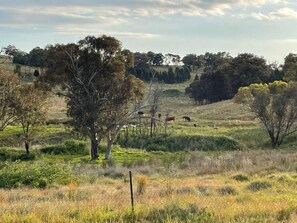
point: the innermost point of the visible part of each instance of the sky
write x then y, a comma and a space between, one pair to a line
266, 28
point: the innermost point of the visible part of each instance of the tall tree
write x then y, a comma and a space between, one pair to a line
246, 69
36, 57
290, 67
193, 61
9, 85
214, 61
87, 71
275, 105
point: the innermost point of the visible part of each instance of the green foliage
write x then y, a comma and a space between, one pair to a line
13, 155
182, 142
212, 86
69, 147
39, 174
258, 185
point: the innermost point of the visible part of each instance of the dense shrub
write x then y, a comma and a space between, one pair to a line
258, 185
13, 155
177, 143
37, 174
69, 147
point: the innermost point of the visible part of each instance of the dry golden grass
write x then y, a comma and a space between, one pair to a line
108, 200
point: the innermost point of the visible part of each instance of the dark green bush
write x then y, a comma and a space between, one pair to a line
71, 147
162, 142
13, 155
240, 177
258, 185
39, 174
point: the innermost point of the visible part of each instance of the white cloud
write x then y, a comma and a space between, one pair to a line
95, 30
282, 13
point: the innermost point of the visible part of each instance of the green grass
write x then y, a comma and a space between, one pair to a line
51, 134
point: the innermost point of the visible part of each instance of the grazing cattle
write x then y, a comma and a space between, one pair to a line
187, 118
140, 113
195, 125
170, 118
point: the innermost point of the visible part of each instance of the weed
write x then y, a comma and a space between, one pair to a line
141, 184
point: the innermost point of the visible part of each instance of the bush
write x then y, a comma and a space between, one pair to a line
162, 142
38, 174
258, 185
227, 190
70, 147
13, 155
240, 177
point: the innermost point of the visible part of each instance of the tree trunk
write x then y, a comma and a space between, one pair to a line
27, 146
94, 149
108, 149
94, 145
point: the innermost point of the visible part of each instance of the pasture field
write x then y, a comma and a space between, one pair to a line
253, 183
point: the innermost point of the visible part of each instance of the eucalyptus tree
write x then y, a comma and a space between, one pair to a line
89, 72
275, 105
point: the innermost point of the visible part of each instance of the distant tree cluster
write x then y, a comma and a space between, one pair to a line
35, 58
223, 75
151, 65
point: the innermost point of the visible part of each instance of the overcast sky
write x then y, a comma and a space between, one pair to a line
266, 28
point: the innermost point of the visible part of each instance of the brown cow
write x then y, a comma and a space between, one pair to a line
170, 118
187, 118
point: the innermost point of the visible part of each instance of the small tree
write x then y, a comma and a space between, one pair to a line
30, 112
9, 84
275, 105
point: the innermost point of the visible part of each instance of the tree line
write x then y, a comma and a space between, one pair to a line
223, 75
145, 65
